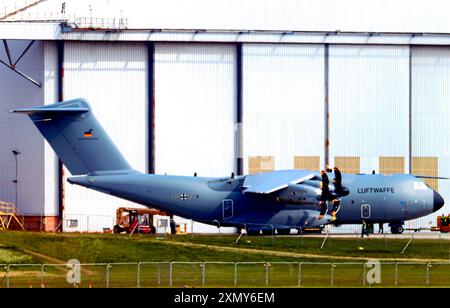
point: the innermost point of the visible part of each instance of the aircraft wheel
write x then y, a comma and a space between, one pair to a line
283, 231
253, 232
268, 232
397, 229
117, 229
152, 230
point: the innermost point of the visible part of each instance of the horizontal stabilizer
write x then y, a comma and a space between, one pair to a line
73, 108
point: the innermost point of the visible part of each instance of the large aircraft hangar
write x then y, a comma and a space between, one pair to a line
244, 92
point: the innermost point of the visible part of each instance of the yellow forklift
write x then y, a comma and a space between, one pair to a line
136, 220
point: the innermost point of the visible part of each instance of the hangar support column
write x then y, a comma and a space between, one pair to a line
151, 106
410, 154
239, 112
60, 73
326, 107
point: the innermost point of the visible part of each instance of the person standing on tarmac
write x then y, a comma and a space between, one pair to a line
381, 228
364, 230
173, 226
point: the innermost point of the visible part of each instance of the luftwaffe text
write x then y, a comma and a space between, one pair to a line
375, 190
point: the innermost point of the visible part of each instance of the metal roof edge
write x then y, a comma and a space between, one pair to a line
52, 30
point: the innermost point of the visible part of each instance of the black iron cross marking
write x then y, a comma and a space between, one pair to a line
184, 197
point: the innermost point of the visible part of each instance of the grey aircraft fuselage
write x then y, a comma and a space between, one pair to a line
374, 198
280, 199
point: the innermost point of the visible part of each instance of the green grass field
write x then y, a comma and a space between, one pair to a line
262, 261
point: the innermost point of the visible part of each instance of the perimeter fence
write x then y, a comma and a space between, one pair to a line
226, 274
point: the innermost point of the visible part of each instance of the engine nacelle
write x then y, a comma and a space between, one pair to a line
300, 194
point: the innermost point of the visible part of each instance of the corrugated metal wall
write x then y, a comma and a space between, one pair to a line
283, 102
194, 109
431, 115
368, 94
113, 78
195, 97
18, 132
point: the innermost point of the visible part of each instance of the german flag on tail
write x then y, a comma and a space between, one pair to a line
88, 134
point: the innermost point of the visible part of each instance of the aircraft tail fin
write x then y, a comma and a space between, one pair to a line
75, 135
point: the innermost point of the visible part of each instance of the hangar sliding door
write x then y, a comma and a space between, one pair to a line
113, 78
431, 120
283, 100
194, 109
368, 99
195, 98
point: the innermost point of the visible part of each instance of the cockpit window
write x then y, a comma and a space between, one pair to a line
420, 186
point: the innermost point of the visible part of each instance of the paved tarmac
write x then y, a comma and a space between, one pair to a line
406, 235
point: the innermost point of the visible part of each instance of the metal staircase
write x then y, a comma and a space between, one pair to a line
10, 217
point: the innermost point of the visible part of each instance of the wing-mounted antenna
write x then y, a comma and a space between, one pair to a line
431, 177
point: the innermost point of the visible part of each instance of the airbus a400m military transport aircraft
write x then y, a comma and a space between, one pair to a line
279, 200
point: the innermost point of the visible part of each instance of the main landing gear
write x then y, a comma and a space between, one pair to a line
397, 228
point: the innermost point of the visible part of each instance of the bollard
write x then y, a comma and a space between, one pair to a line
299, 278
107, 275
332, 274
396, 274
428, 274
203, 265
7, 277
170, 273
267, 273
42, 275
159, 274
235, 274
139, 274
364, 274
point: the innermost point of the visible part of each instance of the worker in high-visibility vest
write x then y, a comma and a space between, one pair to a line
444, 220
364, 230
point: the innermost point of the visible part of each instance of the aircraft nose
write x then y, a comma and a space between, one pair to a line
438, 201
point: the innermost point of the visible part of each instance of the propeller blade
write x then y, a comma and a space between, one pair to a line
323, 209
324, 187
324, 177
337, 177
340, 190
336, 207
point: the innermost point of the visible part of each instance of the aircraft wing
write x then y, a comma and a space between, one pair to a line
266, 183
